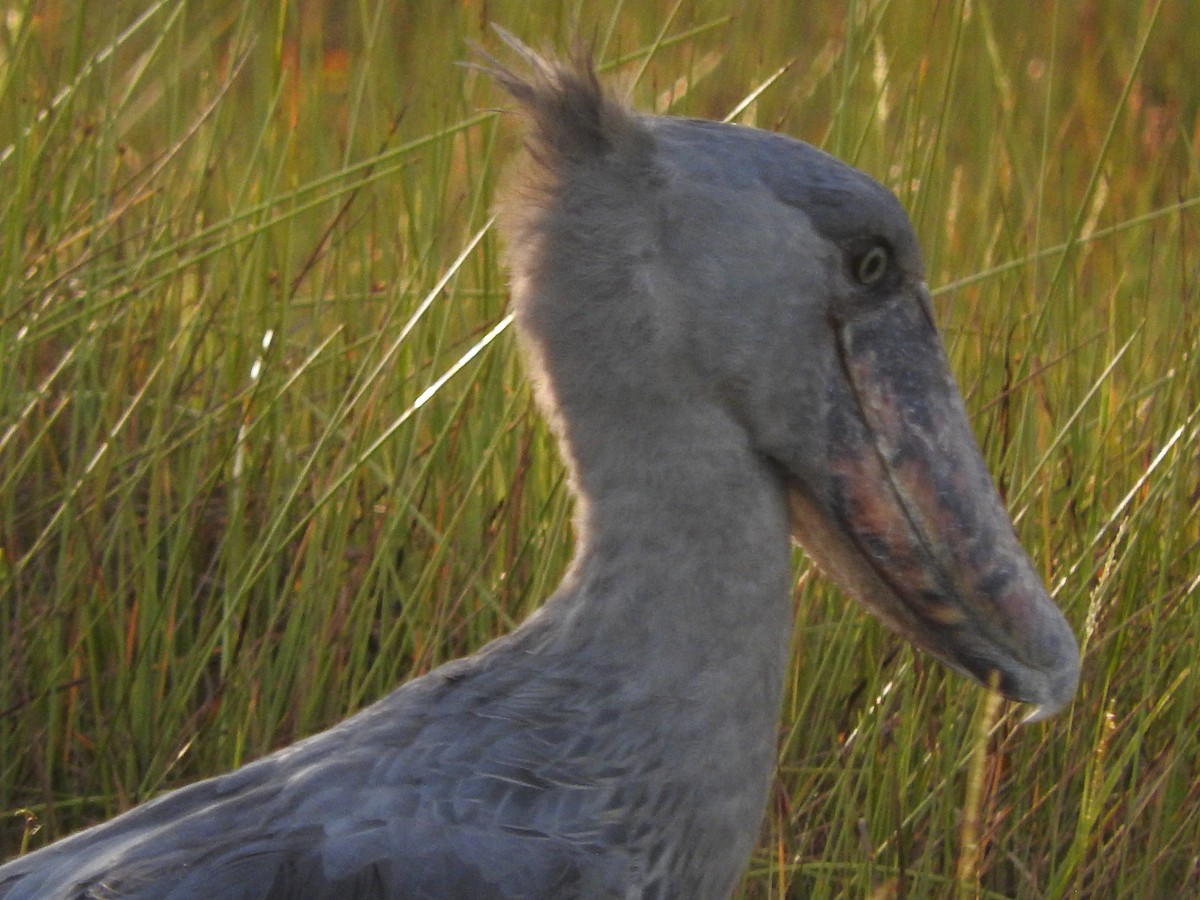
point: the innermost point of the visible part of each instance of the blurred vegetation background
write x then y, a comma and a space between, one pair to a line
266, 449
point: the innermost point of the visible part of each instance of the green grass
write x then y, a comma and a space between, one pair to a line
232, 263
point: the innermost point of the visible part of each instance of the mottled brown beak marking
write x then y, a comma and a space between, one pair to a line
925, 541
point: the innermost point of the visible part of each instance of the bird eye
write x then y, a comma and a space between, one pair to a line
872, 265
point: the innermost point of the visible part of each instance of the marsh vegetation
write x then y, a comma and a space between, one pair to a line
266, 449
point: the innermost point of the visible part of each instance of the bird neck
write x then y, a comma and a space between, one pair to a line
677, 609
682, 571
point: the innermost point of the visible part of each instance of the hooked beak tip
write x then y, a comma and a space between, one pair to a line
1058, 689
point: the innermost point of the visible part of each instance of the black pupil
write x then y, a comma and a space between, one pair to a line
872, 265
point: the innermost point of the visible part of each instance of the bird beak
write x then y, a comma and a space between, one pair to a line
910, 524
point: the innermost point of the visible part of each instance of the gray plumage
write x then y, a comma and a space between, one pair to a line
730, 334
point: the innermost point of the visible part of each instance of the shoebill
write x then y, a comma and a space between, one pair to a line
731, 335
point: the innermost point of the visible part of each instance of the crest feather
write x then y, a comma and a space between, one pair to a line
574, 120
